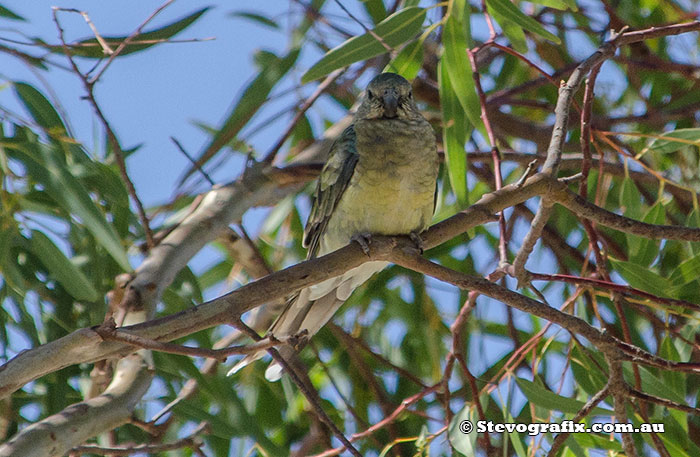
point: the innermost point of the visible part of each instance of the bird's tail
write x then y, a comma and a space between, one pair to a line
300, 314
309, 310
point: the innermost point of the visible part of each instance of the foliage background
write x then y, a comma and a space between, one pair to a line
69, 227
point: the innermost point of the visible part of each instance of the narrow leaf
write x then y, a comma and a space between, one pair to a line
375, 9
409, 61
61, 268
653, 384
454, 133
90, 48
394, 31
643, 251
597, 441
4, 12
630, 199
551, 401
11, 274
512, 13
255, 17
557, 4
45, 166
686, 272
41, 110
459, 69
464, 443
685, 137
512, 31
642, 278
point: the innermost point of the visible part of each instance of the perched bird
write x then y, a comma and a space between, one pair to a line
379, 179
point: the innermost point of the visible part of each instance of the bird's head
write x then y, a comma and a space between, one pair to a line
388, 96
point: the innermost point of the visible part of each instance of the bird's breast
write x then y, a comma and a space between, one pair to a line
392, 188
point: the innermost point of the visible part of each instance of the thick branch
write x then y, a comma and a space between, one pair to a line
57, 434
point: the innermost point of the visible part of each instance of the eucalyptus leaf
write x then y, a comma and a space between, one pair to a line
394, 31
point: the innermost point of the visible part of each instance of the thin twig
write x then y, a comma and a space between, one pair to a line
312, 397
583, 412
190, 441
192, 160
272, 153
109, 332
128, 40
607, 284
111, 136
495, 154
387, 420
664, 402
588, 97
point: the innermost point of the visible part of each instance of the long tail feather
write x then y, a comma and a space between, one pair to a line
310, 310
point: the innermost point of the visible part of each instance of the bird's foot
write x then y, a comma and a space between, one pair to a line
364, 240
416, 238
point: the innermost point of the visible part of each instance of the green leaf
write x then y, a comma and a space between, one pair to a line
573, 449
90, 48
653, 384
375, 9
642, 278
675, 380
666, 145
558, 4
514, 437
272, 69
457, 64
454, 135
464, 443
571, 4
409, 61
597, 441
61, 268
585, 373
512, 31
630, 199
41, 110
644, 250
255, 17
551, 401
686, 272
394, 31
11, 274
512, 13
4, 12
44, 165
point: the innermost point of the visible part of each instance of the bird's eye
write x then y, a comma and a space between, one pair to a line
370, 95
410, 93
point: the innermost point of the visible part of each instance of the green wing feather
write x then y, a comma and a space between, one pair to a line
332, 183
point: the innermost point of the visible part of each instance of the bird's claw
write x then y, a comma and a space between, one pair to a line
364, 240
416, 238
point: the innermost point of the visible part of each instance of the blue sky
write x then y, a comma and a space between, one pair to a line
152, 95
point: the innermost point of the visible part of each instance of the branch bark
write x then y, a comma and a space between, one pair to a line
58, 434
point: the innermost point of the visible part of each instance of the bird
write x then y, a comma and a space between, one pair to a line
379, 179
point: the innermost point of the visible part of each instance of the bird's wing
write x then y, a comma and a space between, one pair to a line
333, 181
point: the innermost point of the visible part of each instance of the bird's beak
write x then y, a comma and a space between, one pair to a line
390, 100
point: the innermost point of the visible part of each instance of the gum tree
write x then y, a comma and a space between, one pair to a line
560, 280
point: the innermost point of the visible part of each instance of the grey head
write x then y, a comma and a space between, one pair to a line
388, 96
